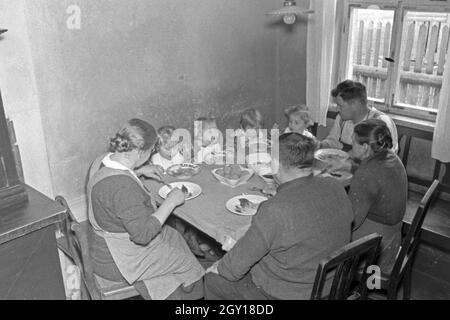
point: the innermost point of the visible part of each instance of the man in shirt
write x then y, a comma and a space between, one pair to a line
351, 100
308, 219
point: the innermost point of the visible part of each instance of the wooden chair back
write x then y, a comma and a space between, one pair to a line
77, 243
345, 264
410, 242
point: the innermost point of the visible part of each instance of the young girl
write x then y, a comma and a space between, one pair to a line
299, 119
252, 123
167, 151
251, 119
206, 141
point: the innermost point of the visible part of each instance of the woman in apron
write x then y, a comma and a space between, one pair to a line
129, 238
379, 189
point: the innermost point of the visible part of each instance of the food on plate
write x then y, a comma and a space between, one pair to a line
332, 157
246, 205
180, 171
233, 172
186, 192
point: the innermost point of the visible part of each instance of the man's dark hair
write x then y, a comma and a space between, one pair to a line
296, 150
350, 90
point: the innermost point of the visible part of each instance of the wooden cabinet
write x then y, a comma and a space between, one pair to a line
12, 190
30, 268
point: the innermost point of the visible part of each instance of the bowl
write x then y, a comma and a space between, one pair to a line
183, 170
260, 164
233, 182
259, 158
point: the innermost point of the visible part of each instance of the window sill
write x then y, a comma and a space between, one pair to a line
413, 123
400, 120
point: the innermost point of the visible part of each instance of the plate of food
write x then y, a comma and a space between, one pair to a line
331, 155
245, 205
191, 190
232, 175
183, 170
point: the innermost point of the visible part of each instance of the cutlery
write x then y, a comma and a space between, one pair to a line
166, 184
337, 175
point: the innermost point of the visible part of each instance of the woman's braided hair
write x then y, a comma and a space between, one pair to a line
136, 134
375, 133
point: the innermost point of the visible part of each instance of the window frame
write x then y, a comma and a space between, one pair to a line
400, 10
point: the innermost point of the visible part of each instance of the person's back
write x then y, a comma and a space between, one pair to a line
382, 187
312, 217
389, 177
379, 188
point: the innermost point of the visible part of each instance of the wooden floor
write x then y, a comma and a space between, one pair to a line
431, 272
425, 287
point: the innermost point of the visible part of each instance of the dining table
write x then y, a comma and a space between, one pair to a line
207, 212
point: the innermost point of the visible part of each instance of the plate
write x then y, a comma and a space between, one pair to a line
184, 170
233, 205
331, 155
194, 189
233, 182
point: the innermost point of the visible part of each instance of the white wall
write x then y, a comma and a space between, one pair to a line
20, 98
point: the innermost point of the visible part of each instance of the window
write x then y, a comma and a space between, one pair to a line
398, 50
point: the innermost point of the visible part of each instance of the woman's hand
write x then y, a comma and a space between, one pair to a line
176, 197
151, 171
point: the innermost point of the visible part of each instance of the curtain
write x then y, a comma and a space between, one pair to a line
441, 140
322, 28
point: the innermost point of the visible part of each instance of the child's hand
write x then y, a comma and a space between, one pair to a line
151, 171
275, 126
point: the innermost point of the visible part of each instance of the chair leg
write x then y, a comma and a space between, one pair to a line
407, 284
392, 292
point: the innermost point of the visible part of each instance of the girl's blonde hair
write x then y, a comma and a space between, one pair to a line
164, 136
301, 111
251, 118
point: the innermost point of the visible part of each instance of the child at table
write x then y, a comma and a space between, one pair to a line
167, 151
299, 120
253, 137
206, 140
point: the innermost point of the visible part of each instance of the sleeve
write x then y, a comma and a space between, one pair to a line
251, 248
130, 205
332, 141
362, 193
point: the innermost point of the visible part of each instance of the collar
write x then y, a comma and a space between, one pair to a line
296, 182
107, 162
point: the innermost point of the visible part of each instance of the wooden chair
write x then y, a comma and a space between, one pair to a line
402, 269
76, 246
345, 264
